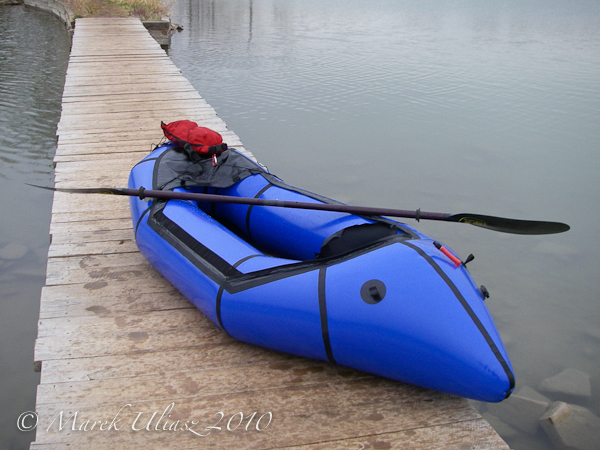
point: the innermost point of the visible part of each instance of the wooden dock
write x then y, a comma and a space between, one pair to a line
126, 362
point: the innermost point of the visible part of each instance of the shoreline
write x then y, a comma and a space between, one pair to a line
159, 26
56, 8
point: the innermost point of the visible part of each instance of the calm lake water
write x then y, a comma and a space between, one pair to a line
34, 48
453, 106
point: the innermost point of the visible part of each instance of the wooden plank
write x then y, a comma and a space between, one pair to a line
441, 437
118, 179
340, 410
64, 202
108, 247
102, 52
91, 243
130, 42
100, 179
85, 269
137, 133
162, 89
106, 146
145, 114
108, 209
89, 45
83, 72
109, 162
162, 331
210, 356
140, 152
110, 299
453, 436
103, 137
85, 118
101, 27
99, 65
115, 62
157, 57
164, 85
95, 79
88, 62
111, 143
108, 165
121, 120
196, 381
159, 322
101, 23
149, 125
81, 223
67, 223
183, 103
137, 96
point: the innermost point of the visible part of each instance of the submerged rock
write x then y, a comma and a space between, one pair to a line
523, 409
13, 251
500, 426
570, 385
571, 427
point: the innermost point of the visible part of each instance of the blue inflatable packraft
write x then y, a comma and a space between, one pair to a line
364, 292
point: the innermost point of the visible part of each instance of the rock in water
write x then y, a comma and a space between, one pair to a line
572, 427
13, 251
522, 410
569, 385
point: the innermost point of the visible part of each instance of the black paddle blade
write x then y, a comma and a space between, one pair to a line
513, 226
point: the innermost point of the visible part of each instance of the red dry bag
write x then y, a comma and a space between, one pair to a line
203, 141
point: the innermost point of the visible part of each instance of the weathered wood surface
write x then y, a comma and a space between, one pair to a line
126, 361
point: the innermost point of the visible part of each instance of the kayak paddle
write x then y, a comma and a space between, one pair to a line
502, 224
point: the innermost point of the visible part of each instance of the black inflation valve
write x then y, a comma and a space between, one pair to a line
484, 291
372, 291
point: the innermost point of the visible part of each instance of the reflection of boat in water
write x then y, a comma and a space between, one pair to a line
364, 292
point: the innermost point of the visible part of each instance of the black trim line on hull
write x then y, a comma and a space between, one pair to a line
472, 315
323, 314
251, 207
144, 161
221, 289
140, 219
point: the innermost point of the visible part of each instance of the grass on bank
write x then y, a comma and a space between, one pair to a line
144, 9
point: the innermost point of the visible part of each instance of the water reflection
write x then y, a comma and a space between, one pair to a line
33, 55
461, 106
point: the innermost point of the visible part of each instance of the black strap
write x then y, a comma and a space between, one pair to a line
216, 149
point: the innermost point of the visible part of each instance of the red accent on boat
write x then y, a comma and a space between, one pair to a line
457, 262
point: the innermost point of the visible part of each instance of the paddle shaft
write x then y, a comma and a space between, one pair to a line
358, 210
